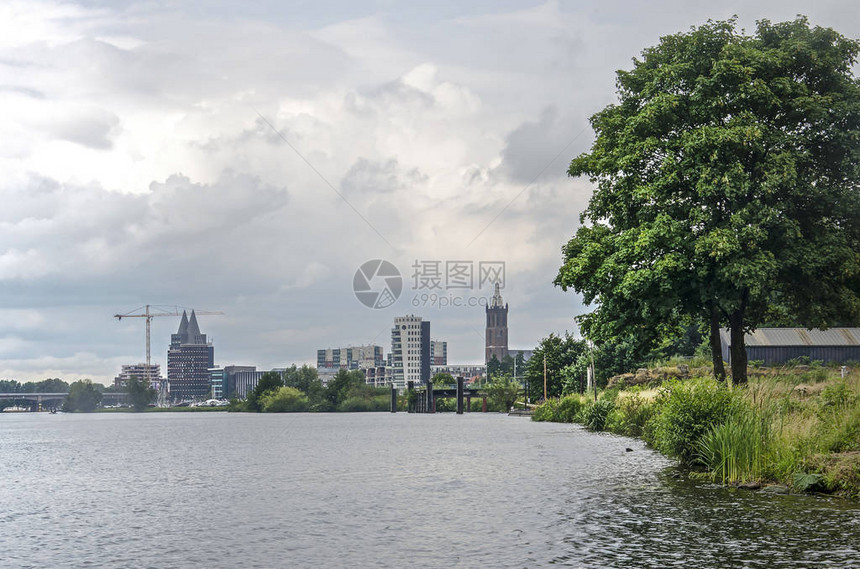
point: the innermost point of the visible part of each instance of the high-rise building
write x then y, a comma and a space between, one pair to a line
497, 328
140, 372
369, 359
189, 360
438, 353
410, 351
353, 357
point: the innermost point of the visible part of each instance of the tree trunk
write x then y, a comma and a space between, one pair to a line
716, 345
738, 349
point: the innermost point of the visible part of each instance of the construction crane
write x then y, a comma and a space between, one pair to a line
149, 312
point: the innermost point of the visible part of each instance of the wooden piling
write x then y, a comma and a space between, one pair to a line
459, 395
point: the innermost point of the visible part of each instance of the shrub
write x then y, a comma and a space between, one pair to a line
815, 375
357, 404
283, 400
798, 361
630, 415
686, 410
546, 411
837, 395
568, 409
594, 414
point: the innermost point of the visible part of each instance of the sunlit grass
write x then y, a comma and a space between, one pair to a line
785, 424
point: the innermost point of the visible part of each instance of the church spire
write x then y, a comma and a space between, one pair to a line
497, 301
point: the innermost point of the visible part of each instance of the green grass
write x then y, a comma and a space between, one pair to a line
798, 427
737, 449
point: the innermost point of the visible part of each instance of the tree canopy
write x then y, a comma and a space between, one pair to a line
83, 396
727, 180
562, 354
503, 391
140, 393
269, 381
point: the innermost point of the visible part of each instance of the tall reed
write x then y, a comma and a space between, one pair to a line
736, 450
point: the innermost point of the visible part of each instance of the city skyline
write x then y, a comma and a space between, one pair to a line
250, 160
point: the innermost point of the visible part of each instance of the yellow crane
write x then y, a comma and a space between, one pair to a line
149, 312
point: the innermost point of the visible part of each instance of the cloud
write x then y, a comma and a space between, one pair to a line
92, 127
135, 167
366, 176
534, 147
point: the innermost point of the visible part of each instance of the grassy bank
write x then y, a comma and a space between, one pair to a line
799, 427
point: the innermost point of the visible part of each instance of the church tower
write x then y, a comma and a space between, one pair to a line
497, 328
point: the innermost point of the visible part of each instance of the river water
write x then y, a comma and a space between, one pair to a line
219, 490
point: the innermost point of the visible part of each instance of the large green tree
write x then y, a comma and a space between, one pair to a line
727, 188
140, 393
560, 353
344, 384
83, 396
503, 391
269, 381
443, 380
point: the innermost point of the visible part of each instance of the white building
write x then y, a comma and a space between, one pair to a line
410, 351
139, 371
466, 371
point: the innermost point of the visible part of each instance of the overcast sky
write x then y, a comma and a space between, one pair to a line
249, 159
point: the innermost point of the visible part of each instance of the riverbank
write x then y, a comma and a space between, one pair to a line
798, 427
187, 409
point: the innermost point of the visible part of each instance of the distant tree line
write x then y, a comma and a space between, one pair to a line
83, 395
299, 389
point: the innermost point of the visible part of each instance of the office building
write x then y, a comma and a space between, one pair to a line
224, 381
352, 357
189, 359
438, 353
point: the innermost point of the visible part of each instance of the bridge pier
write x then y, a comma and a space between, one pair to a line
459, 395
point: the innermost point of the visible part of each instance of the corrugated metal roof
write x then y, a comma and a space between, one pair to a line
799, 337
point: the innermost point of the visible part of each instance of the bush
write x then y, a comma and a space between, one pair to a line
630, 415
283, 400
594, 414
546, 411
363, 404
568, 409
837, 395
564, 410
686, 410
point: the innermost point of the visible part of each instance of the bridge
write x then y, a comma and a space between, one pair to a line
54, 400
425, 398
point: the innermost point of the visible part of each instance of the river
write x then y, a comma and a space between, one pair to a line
223, 490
